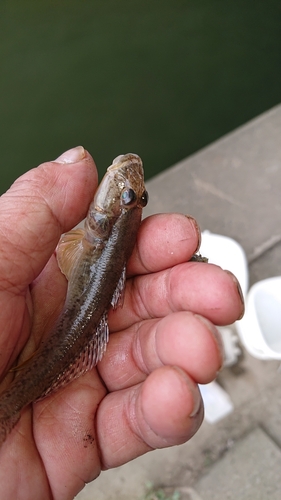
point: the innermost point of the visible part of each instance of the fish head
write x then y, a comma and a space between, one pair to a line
122, 188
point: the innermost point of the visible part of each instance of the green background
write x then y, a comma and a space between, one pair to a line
158, 78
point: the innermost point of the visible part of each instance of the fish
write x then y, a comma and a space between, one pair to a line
93, 260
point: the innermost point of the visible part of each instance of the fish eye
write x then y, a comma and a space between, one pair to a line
144, 199
128, 197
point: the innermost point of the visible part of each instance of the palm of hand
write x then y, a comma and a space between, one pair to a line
143, 394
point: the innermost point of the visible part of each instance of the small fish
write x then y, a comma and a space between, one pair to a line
94, 261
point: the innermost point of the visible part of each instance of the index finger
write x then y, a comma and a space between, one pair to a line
164, 240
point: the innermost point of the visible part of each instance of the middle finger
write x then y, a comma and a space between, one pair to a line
182, 339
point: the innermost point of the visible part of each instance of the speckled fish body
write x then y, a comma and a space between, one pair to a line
93, 259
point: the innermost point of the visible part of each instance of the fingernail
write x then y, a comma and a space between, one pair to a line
196, 395
216, 334
197, 400
197, 229
72, 155
239, 290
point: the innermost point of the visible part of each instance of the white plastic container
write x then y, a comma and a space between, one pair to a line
228, 254
260, 328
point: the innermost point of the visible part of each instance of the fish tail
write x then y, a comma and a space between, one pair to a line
8, 420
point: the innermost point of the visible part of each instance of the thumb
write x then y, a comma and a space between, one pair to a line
40, 205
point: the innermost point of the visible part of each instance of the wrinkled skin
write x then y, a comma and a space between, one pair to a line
144, 394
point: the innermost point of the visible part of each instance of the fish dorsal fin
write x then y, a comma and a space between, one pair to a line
69, 250
89, 357
118, 296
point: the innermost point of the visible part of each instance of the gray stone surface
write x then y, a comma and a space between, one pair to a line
255, 477
232, 187
267, 265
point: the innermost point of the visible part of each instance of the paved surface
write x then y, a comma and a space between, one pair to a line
232, 187
249, 478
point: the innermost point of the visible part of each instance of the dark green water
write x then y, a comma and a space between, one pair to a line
160, 78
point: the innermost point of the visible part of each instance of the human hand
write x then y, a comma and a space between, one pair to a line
143, 394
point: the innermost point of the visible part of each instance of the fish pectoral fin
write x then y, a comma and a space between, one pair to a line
118, 296
69, 250
89, 357
22, 365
